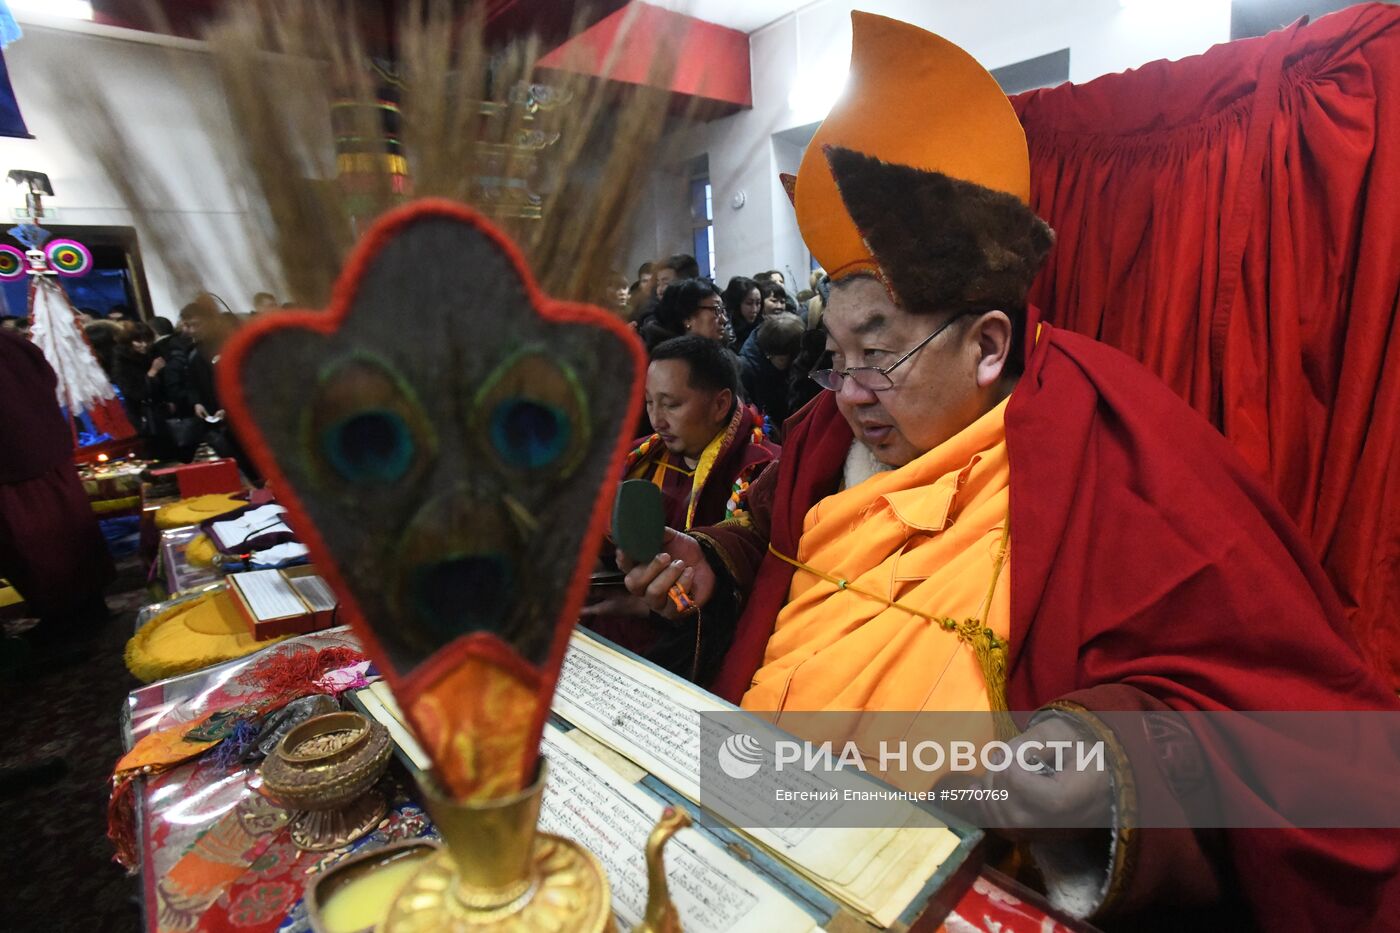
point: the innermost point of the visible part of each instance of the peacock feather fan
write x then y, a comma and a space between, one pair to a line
442, 437
445, 431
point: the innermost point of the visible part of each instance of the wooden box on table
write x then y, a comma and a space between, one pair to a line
293, 601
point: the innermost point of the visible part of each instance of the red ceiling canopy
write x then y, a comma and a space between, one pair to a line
711, 62
708, 64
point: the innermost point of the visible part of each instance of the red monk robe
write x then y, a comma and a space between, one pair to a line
50, 546
1150, 571
706, 494
703, 496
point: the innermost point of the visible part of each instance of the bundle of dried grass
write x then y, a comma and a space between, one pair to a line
474, 122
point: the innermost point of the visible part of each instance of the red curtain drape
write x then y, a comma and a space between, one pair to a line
1233, 221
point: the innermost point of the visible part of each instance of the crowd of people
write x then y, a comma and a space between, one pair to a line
770, 337
163, 371
727, 368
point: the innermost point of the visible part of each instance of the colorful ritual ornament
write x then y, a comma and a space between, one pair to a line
13, 265
68, 257
368, 144
83, 388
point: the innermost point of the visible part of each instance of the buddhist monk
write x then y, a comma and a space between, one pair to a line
51, 548
983, 512
707, 448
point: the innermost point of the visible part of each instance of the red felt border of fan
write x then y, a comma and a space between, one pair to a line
409, 686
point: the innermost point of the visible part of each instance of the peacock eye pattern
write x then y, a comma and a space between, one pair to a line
366, 427
531, 414
373, 446
529, 434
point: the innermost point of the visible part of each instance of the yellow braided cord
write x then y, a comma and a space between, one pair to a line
989, 649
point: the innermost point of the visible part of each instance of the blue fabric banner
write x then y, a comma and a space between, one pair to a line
11, 123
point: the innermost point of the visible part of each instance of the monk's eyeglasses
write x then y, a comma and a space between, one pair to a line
874, 378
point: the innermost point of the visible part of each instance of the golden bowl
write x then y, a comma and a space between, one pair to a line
352, 755
327, 768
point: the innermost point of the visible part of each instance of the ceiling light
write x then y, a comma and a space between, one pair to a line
72, 9
815, 92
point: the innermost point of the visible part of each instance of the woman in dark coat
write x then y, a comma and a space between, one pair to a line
691, 306
744, 303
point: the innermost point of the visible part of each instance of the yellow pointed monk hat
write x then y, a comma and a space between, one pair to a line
912, 99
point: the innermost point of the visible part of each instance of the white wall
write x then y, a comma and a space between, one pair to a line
163, 90
801, 60
662, 221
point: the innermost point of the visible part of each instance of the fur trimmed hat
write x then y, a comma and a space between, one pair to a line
920, 176
941, 242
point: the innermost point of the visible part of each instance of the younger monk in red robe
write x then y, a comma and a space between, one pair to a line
985, 513
708, 447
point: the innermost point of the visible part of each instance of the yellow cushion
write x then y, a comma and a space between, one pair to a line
196, 510
190, 636
103, 506
200, 552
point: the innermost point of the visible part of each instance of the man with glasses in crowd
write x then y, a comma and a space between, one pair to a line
988, 514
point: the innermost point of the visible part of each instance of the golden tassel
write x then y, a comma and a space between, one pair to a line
992, 657
991, 651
